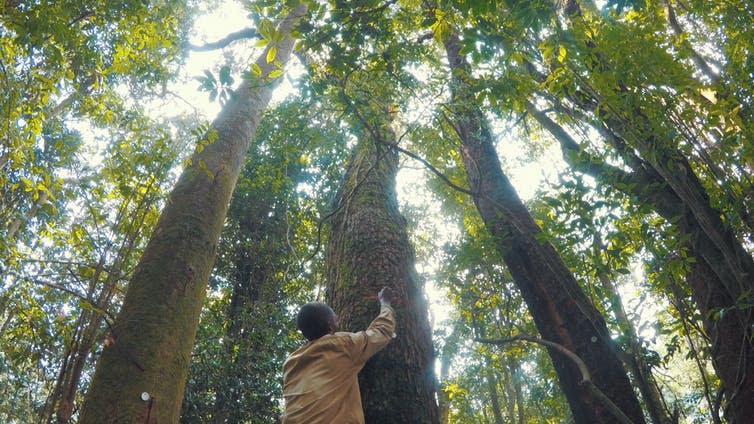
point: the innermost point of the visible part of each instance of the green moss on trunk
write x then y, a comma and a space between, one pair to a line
152, 337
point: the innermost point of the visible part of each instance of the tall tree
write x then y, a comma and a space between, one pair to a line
668, 162
562, 312
141, 374
245, 332
132, 184
368, 248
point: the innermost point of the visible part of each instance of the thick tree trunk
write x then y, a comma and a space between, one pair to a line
728, 286
721, 278
141, 375
369, 249
561, 310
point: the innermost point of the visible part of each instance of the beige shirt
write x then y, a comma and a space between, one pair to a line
320, 384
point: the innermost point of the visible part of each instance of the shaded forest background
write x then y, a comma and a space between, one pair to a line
620, 290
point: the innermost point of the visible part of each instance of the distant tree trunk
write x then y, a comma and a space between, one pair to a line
494, 395
491, 374
515, 381
443, 400
679, 301
250, 310
561, 311
141, 375
368, 249
256, 234
634, 359
446, 360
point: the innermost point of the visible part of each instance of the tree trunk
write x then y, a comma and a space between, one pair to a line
368, 249
140, 377
494, 395
561, 310
253, 308
727, 287
633, 359
447, 354
510, 394
515, 373
720, 278
443, 400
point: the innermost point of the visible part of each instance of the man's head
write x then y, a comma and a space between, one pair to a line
315, 319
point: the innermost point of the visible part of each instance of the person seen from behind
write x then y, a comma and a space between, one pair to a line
320, 384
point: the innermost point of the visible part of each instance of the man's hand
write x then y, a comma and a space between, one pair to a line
386, 296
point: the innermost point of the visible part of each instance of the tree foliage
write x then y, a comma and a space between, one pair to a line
649, 104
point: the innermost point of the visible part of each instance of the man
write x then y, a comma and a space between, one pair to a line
320, 384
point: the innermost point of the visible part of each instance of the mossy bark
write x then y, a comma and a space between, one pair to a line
151, 339
561, 311
367, 250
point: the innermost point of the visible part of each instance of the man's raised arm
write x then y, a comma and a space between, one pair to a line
380, 331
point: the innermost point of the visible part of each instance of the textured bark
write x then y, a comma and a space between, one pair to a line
561, 310
721, 278
368, 249
155, 329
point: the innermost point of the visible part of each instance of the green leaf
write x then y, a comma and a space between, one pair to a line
271, 54
225, 77
256, 70
266, 29
561, 53
275, 73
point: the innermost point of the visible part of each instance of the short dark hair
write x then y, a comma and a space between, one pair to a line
313, 320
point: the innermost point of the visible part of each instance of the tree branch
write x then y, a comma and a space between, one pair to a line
586, 379
245, 33
695, 56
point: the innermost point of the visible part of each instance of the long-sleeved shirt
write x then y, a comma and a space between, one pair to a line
320, 384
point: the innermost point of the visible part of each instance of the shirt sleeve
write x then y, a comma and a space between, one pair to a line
375, 337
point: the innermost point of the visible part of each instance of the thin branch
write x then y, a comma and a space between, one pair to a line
243, 34
586, 379
428, 166
695, 56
